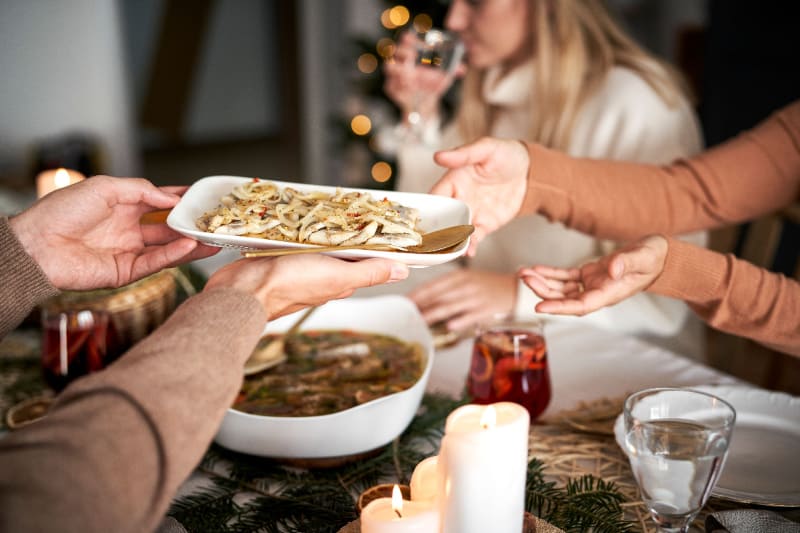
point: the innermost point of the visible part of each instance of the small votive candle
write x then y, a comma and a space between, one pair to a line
424, 480
49, 180
396, 515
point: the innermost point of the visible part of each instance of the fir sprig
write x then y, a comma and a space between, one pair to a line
259, 495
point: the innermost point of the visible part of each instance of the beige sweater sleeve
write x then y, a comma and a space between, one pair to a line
750, 176
118, 443
22, 283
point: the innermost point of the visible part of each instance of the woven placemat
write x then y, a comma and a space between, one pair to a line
581, 441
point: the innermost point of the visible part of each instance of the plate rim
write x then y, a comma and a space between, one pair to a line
724, 391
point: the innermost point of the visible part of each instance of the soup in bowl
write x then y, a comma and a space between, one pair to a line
355, 377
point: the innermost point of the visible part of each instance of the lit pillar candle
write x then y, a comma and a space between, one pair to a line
395, 515
482, 468
49, 180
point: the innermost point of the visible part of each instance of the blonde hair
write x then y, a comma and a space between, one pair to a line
574, 43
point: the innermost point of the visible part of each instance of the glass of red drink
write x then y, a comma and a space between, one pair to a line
509, 363
75, 343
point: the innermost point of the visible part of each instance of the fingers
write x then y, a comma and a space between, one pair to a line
158, 234
132, 191
175, 189
563, 274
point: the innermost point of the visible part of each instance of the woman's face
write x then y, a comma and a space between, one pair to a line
493, 31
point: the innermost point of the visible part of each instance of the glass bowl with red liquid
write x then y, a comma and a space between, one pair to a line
509, 364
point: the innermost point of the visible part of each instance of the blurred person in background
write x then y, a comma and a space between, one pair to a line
562, 74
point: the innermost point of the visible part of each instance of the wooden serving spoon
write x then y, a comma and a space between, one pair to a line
435, 241
271, 353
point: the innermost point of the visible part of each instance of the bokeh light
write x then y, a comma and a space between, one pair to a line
385, 47
361, 124
399, 15
381, 171
386, 19
367, 63
423, 23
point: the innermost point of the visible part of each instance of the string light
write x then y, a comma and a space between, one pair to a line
385, 47
423, 23
361, 124
386, 19
381, 171
367, 63
399, 15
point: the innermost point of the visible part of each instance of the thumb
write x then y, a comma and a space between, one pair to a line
376, 271
616, 268
467, 154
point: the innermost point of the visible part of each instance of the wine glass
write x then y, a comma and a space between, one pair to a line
677, 441
438, 55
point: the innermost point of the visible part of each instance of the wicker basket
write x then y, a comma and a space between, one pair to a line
136, 309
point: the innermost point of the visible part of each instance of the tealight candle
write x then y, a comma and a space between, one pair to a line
49, 180
482, 468
395, 515
424, 480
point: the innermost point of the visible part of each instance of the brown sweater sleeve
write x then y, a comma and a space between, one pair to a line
22, 283
118, 443
752, 175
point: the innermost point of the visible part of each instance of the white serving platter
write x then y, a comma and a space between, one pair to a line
435, 212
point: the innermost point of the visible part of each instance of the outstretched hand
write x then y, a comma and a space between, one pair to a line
607, 281
88, 235
490, 175
286, 284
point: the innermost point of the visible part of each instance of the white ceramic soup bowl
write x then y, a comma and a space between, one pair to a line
356, 430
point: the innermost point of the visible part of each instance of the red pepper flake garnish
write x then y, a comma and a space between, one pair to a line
256, 180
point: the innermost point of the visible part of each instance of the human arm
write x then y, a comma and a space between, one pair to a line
730, 294
749, 176
117, 444
89, 235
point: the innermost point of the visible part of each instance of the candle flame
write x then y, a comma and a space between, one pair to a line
488, 418
397, 501
61, 178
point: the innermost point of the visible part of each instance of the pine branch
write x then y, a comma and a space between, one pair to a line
296, 500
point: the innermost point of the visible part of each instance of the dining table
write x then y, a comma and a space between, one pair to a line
589, 367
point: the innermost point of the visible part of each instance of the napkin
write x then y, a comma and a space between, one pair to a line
748, 520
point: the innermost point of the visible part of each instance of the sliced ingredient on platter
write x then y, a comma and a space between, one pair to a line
265, 210
332, 370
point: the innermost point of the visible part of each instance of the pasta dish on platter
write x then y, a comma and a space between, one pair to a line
263, 209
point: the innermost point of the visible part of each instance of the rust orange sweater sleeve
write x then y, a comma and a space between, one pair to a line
749, 176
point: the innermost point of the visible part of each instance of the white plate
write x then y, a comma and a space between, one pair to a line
763, 465
359, 429
435, 212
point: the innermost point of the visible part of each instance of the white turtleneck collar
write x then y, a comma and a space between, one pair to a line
512, 89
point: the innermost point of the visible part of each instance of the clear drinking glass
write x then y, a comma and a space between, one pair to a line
509, 364
438, 54
677, 441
